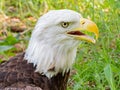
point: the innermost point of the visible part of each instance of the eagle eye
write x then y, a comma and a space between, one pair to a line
65, 24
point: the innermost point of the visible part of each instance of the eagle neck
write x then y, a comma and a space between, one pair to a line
50, 59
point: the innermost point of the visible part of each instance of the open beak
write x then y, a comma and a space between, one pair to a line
85, 26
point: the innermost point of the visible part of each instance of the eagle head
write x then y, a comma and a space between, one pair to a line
54, 40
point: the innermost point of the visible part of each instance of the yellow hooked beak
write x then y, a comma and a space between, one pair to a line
85, 26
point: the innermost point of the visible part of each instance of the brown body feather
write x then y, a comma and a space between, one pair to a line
17, 74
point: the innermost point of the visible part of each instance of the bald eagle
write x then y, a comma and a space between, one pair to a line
46, 63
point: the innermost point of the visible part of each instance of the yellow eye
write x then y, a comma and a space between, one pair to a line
64, 24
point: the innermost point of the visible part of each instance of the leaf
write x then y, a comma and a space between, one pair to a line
5, 48
109, 76
10, 40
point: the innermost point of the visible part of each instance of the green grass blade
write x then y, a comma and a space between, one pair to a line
5, 48
109, 76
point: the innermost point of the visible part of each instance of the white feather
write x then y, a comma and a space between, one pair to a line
50, 46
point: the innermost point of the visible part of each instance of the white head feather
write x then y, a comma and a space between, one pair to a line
49, 46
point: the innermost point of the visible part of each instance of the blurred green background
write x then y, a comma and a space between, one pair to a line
97, 66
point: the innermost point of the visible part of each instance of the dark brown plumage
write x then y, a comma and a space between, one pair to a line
17, 74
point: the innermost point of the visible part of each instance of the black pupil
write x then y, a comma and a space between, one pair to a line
65, 24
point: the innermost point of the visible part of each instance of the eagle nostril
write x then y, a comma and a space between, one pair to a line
83, 22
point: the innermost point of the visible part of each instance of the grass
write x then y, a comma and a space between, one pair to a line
97, 67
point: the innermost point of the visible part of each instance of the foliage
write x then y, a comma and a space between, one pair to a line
97, 66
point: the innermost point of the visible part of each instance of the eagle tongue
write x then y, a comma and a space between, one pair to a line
76, 33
